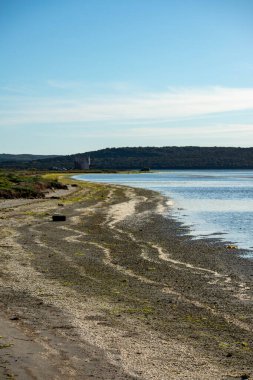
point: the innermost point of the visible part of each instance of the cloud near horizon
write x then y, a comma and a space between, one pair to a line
215, 134
173, 104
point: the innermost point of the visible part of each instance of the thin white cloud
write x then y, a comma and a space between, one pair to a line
214, 130
160, 106
15, 89
63, 84
205, 135
158, 132
116, 86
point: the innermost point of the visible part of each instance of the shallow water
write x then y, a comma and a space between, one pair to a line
213, 203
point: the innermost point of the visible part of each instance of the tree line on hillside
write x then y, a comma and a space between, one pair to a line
23, 157
190, 157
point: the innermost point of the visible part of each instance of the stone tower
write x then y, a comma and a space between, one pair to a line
82, 162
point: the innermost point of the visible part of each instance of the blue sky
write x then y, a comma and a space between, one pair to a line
82, 75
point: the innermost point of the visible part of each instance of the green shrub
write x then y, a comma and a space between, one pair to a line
26, 185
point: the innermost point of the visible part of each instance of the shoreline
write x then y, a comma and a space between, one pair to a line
122, 286
188, 221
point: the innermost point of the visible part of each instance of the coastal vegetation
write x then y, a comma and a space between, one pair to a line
15, 184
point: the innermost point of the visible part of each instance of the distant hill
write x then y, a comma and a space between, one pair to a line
189, 157
23, 157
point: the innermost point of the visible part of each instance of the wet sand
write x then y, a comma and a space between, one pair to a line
118, 291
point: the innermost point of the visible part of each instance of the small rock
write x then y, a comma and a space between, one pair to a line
229, 354
14, 318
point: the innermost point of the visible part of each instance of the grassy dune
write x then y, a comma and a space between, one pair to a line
14, 184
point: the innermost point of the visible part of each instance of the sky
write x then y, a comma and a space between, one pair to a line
82, 75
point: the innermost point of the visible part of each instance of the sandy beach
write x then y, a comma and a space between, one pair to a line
118, 291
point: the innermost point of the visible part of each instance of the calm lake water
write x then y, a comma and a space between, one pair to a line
213, 203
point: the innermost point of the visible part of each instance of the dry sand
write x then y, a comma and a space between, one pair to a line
118, 291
